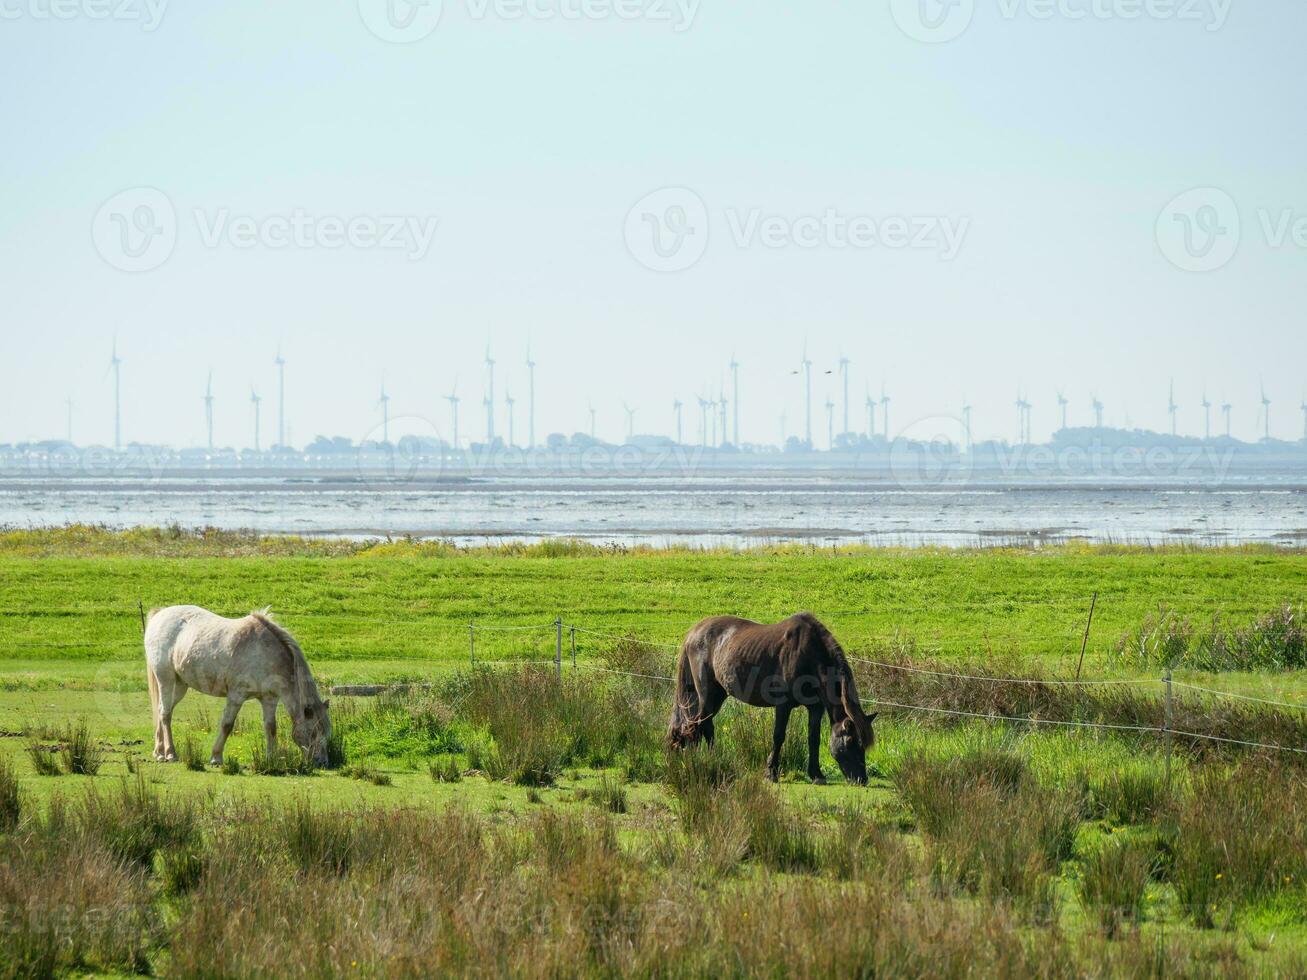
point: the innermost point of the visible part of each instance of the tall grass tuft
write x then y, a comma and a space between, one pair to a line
44, 761
278, 759
11, 799
1128, 795
990, 828
134, 823
318, 840
79, 752
608, 795
192, 755
444, 769
1241, 836
1113, 881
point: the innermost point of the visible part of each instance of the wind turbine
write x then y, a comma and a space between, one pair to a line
208, 408
452, 398
1062, 404
490, 399
844, 377
807, 395
704, 406
630, 421
1171, 405
830, 423
1266, 412
592, 420
115, 365
384, 402
281, 398
1207, 416
1023, 420
1225, 410
884, 411
966, 423
1303, 406
508, 397
530, 400
676, 410
735, 400
721, 404
871, 416
256, 400
1098, 413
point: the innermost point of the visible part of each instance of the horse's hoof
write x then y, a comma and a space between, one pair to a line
215, 761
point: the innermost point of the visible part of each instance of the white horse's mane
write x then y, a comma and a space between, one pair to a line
305, 686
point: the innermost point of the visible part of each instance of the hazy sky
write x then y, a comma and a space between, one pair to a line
1032, 159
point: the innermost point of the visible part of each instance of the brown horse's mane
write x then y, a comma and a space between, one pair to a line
849, 699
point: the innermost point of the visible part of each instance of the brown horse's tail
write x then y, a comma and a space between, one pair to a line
849, 699
682, 728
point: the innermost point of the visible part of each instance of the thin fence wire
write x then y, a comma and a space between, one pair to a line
625, 673
1004, 680
1242, 697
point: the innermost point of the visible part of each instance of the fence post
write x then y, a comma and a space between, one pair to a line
558, 646
573, 648
1169, 737
1085, 642
472, 642
140, 608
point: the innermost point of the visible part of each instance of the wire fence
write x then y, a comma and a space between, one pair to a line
531, 640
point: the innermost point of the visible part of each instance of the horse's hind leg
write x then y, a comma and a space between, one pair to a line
171, 691
711, 698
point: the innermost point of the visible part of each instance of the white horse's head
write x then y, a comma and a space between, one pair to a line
312, 730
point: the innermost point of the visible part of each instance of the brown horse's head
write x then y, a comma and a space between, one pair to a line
849, 743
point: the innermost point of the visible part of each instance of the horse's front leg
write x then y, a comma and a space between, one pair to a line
778, 741
814, 744
270, 721
229, 714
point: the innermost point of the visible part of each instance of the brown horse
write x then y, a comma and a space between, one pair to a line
786, 665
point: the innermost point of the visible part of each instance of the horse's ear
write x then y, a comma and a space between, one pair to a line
327, 703
872, 717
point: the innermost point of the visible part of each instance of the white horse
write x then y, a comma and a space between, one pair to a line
236, 659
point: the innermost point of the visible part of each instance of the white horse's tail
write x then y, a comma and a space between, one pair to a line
151, 681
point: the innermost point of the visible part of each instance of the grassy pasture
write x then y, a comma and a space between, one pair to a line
500, 822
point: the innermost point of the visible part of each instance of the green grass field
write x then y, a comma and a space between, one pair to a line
978, 847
